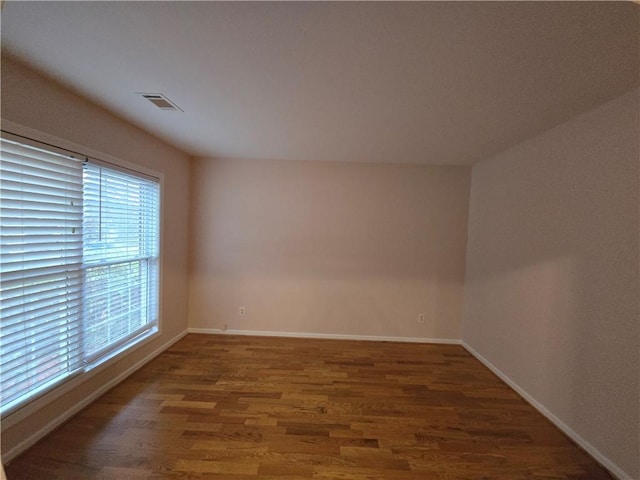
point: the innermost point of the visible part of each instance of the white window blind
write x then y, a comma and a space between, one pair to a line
120, 257
40, 276
79, 274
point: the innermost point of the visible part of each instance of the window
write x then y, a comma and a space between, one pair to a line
120, 257
79, 274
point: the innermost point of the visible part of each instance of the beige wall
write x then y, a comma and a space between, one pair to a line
330, 248
36, 102
552, 283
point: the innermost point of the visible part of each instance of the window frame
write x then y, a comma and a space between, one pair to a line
29, 136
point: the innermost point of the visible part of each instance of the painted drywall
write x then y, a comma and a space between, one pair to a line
328, 248
551, 294
36, 102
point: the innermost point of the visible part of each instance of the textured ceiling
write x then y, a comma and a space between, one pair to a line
433, 82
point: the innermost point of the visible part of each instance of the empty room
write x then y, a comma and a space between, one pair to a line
320, 240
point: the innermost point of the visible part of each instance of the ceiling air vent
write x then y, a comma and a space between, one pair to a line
162, 102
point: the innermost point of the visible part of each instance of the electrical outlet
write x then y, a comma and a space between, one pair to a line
242, 311
421, 318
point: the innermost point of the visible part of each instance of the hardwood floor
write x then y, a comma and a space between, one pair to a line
238, 407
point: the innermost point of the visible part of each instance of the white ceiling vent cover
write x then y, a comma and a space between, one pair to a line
161, 101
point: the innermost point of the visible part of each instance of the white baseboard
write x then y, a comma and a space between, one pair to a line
590, 449
326, 336
64, 416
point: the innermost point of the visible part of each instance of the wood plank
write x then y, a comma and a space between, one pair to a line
240, 407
